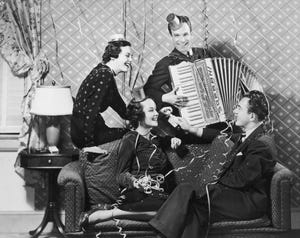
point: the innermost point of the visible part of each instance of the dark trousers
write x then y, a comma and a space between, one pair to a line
181, 215
186, 216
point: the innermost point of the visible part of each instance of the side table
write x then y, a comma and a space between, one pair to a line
49, 164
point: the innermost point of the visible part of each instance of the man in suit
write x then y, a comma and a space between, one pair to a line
241, 192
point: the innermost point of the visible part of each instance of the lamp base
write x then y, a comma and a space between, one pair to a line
52, 135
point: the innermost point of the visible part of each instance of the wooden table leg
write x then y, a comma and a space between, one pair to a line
51, 212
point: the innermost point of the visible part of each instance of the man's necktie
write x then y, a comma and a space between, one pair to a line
243, 137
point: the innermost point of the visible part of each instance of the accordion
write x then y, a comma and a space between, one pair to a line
213, 87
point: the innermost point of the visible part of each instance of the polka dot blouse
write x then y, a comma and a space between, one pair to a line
97, 92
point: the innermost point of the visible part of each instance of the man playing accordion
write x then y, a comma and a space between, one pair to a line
159, 84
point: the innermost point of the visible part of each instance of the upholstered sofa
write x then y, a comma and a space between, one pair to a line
71, 178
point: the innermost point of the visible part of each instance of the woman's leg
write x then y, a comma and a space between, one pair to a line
104, 215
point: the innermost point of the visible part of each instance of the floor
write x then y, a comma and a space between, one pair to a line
26, 235
291, 234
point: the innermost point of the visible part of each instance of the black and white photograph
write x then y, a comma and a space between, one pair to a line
149, 119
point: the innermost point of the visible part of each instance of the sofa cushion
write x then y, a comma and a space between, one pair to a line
202, 165
254, 223
129, 225
132, 225
100, 175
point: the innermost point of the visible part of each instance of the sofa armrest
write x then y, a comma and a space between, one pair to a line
70, 178
281, 184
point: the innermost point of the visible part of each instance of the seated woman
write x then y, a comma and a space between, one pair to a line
142, 162
141, 168
97, 92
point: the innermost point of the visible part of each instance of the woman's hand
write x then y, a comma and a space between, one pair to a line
167, 111
95, 149
175, 142
138, 185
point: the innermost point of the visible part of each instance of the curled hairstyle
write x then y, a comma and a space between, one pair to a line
258, 104
182, 19
135, 113
113, 49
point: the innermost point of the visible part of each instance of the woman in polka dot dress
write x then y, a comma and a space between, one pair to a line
97, 92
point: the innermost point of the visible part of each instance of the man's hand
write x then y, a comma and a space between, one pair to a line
174, 99
183, 123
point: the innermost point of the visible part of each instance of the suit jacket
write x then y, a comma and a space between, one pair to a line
249, 173
239, 195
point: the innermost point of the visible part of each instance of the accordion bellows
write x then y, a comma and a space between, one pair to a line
213, 87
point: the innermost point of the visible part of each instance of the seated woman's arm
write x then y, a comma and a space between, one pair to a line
126, 155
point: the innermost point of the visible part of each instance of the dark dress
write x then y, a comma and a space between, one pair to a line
97, 92
140, 157
241, 193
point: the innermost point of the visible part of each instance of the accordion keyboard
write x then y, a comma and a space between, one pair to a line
182, 76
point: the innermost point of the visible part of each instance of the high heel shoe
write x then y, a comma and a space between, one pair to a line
83, 220
84, 216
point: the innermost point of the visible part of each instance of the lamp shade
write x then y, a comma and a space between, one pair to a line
52, 101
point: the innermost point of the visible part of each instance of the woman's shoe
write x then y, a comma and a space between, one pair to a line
84, 216
83, 220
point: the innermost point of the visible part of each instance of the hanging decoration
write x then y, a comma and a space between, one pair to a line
82, 15
56, 43
206, 31
134, 77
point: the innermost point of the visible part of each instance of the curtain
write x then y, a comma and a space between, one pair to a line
20, 46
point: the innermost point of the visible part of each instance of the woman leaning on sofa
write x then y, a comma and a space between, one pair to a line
97, 92
141, 158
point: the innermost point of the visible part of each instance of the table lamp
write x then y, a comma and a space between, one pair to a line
52, 102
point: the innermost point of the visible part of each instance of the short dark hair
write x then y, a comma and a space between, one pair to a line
113, 49
182, 19
135, 113
258, 104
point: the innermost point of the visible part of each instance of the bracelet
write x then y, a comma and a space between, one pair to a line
135, 183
